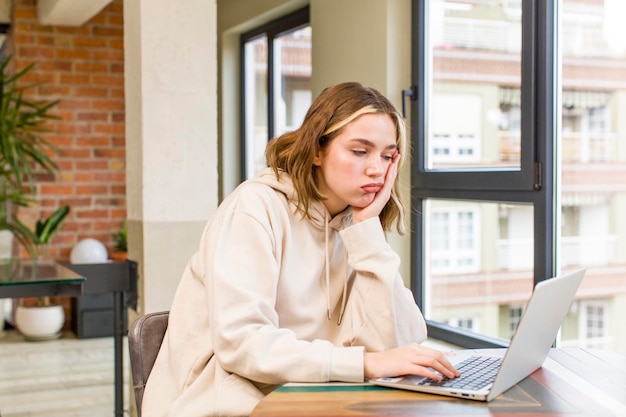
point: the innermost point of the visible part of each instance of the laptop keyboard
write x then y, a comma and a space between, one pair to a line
476, 373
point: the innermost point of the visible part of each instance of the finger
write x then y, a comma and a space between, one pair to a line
427, 373
392, 171
446, 368
436, 360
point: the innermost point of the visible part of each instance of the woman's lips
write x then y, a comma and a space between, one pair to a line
372, 188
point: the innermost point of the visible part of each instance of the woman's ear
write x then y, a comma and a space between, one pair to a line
317, 160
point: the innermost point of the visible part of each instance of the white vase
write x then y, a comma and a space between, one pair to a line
2, 315
40, 323
6, 244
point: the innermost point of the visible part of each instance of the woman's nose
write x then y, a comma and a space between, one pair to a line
374, 166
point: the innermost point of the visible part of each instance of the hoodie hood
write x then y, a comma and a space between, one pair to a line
320, 217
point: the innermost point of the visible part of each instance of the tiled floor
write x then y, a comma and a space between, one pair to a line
67, 377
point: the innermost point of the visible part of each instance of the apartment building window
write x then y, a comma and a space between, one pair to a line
467, 323
454, 245
515, 315
594, 320
276, 90
458, 142
533, 87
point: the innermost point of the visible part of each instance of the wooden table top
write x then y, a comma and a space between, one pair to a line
572, 382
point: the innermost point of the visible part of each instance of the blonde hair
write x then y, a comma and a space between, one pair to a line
335, 108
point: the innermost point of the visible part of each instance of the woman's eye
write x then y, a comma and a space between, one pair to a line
359, 152
388, 157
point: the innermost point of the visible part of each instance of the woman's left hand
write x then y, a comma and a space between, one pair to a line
360, 214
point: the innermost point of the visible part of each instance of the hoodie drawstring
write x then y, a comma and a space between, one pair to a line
344, 294
327, 264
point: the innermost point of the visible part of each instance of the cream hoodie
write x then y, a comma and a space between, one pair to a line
259, 305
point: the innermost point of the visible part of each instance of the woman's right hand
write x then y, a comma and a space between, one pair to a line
412, 359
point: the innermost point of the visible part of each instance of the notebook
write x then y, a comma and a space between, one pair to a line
529, 347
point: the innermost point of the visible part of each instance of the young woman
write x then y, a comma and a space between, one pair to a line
294, 280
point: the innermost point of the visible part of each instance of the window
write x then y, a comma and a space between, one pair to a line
594, 322
588, 325
518, 169
276, 91
454, 238
515, 315
467, 323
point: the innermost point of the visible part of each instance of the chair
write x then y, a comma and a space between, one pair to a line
145, 336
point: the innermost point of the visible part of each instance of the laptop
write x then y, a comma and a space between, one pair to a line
529, 347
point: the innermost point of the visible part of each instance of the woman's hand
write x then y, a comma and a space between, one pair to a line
382, 197
412, 359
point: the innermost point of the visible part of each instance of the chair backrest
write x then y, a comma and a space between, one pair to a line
145, 336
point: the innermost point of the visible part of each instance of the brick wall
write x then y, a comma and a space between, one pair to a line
84, 68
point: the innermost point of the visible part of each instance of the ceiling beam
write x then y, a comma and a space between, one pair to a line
68, 12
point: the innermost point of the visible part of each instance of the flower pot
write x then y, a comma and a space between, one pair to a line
40, 322
119, 256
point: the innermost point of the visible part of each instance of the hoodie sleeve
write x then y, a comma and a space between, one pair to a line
381, 311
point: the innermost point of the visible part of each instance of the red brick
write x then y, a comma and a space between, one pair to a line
93, 141
57, 189
73, 54
92, 214
91, 67
77, 153
109, 177
78, 104
111, 55
89, 43
118, 117
83, 177
64, 66
116, 20
91, 164
113, 80
91, 91
74, 79
36, 52
49, 90
75, 202
23, 38
109, 153
92, 116
110, 104
91, 189
108, 31
108, 128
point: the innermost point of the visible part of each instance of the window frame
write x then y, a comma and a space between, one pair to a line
272, 30
536, 180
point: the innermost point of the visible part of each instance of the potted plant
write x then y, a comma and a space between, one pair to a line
120, 244
23, 149
37, 241
41, 319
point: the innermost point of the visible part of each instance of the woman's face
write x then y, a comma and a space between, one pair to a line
352, 168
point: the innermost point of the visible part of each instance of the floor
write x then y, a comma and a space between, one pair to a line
67, 377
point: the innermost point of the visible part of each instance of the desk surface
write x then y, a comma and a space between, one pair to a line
572, 382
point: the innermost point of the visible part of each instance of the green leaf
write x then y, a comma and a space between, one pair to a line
47, 228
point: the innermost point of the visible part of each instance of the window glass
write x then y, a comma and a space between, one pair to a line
292, 75
593, 163
479, 264
255, 102
474, 102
